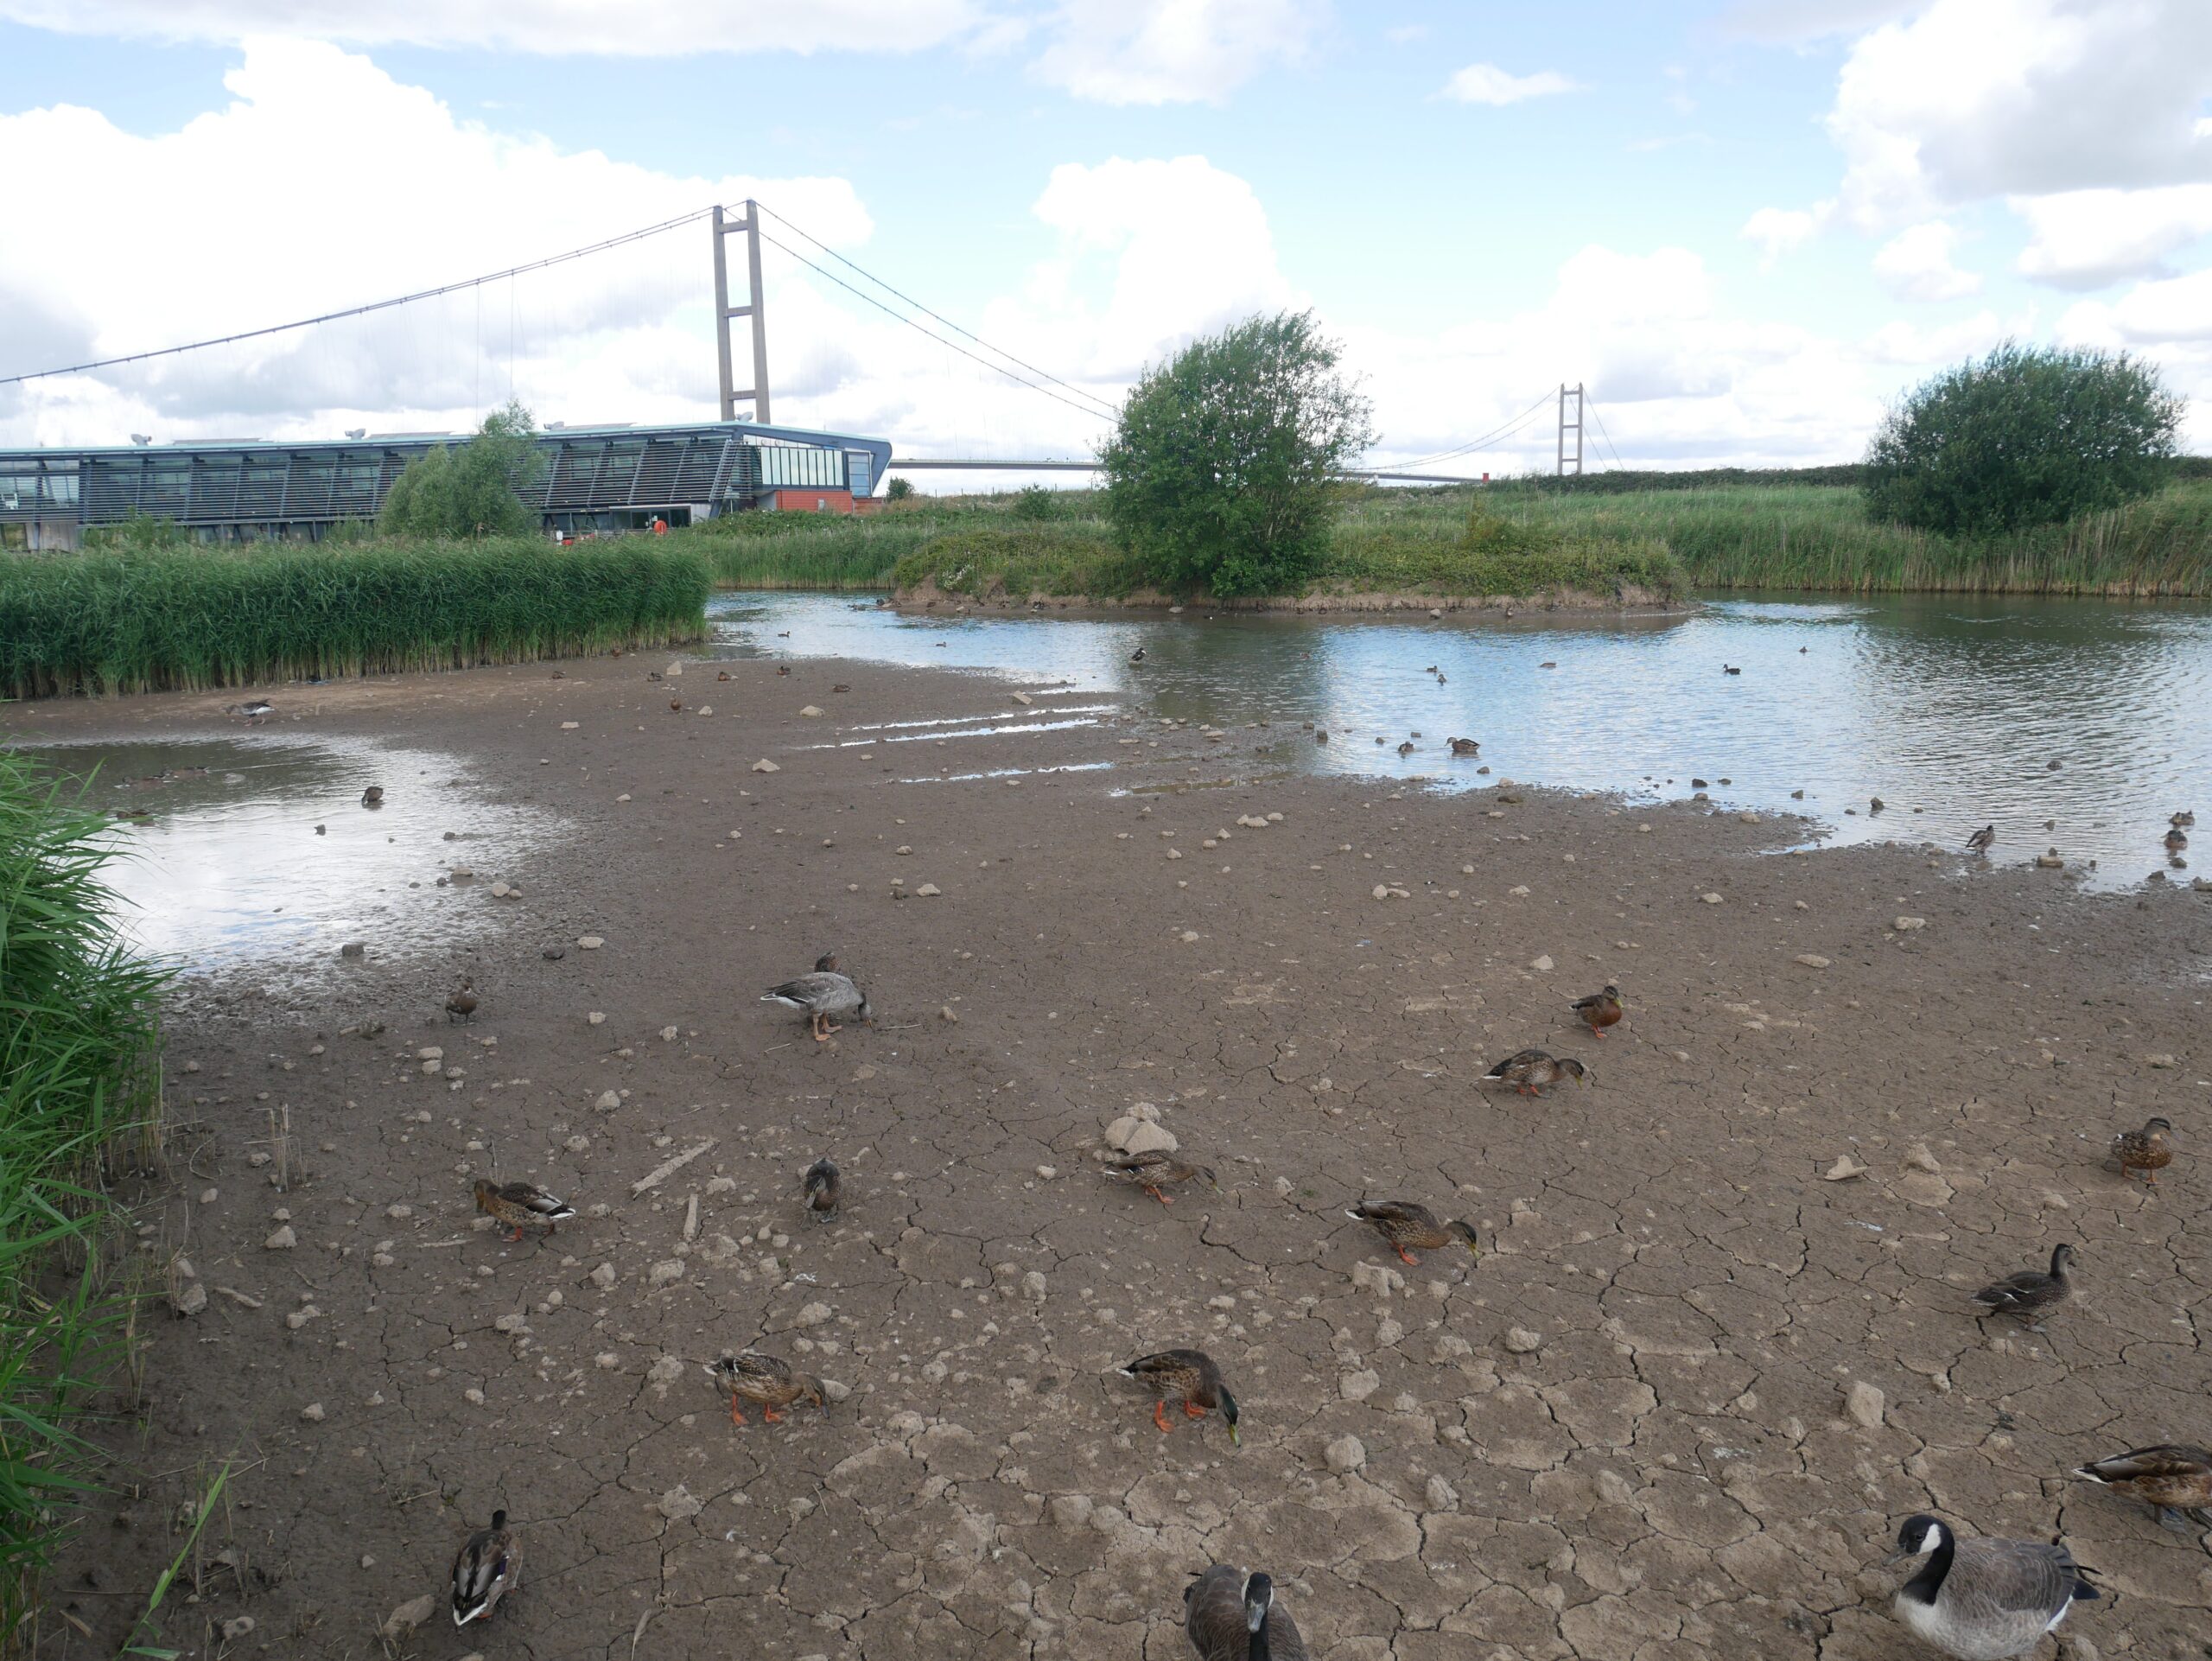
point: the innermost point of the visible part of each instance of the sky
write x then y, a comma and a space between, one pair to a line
1746, 226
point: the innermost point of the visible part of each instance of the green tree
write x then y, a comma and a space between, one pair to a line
476, 490
1228, 460
898, 490
2027, 436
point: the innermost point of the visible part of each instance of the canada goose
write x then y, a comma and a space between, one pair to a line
461, 1006
1982, 840
823, 1187
2170, 1477
485, 1569
1730, 669
1599, 1010
1228, 1615
373, 797
1985, 1600
1154, 1170
820, 997
253, 710
767, 1380
520, 1206
2031, 1292
1404, 1223
2149, 1150
1189, 1376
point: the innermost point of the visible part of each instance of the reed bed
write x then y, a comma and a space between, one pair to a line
1814, 537
78, 1074
192, 618
809, 551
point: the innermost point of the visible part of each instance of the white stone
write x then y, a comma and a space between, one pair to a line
1521, 1342
282, 1240
1812, 960
678, 1503
814, 1314
1906, 924
811, 711
1542, 965
764, 764
1346, 1454
1710, 899
608, 1102
668, 1270
1843, 1170
1358, 1386
1864, 1402
1150, 1138
312, 1412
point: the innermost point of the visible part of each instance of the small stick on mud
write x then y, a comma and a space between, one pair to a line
668, 1168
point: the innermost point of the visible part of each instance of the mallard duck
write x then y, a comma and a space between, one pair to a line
2170, 1477
2177, 841
1320, 735
1154, 1170
1466, 746
1599, 1010
373, 797
2149, 1150
765, 1380
676, 705
2185, 820
1404, 1223
461, 1006
823, 1185
1228, 1615
2031, 1291
1406, 748
722, 674
1188, 1376
1985, 1600
1137, 655
1532, 1072
1982, 840
253, 710
486, 1569
820, 996
520, 1206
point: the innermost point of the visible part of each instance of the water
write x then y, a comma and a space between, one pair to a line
227, 864
1953, 707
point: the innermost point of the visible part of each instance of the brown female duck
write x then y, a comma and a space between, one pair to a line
1187, 1376
1404, 1223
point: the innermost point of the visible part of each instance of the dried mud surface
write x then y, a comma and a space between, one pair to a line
1623, 1433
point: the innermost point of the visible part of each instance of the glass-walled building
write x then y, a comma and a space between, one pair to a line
597, 479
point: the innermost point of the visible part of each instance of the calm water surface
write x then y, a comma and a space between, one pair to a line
226, 861
1954, 707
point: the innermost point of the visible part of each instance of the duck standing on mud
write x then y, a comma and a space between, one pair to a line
820, 996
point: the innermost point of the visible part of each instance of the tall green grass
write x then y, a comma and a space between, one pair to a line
147, 620
809, 550
78, 1072
1819, 536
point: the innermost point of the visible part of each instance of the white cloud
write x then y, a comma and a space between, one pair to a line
1916, 264
666, 27
1779, 231
1798, 21
2177, 309
1485, 83
619, 335
1172, 51
1903, 342
1973, 98
2087, 238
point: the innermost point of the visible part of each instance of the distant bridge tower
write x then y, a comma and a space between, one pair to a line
749, 227
1567, 463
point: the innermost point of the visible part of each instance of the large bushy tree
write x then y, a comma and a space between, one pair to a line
1227, 460
474, 490
2027, 436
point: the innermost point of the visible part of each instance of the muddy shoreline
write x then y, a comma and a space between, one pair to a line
1630, 1430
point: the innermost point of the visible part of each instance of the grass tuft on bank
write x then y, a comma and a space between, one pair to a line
78, 1075
151, 619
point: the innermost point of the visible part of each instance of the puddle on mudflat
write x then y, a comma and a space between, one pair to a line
1957, 712
222, 860
1009, 773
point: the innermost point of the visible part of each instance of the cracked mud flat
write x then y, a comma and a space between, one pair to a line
1671, 1471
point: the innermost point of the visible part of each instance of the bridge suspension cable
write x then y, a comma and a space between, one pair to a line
374, 305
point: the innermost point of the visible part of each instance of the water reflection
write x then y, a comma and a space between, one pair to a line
224, 857
1956, 707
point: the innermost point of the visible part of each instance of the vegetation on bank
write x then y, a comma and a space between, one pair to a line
2026, 436
1822, 537
475, 489
157, 614
78, 1079
1384, 542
